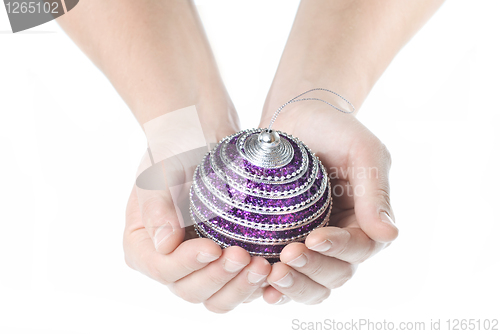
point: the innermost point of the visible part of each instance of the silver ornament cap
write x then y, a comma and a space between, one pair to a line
268, 149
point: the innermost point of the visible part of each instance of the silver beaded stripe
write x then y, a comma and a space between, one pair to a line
261, 226
202, 233
274, 195
252, 240
266, 179
259, 193
268, 194
263, 193
259, 178
262, 209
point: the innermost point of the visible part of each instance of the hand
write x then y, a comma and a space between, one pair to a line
361, 223
195, 269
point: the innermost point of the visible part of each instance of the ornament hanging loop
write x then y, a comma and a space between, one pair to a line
267, 149
296, 99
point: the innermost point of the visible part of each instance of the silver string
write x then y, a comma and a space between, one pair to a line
277, 112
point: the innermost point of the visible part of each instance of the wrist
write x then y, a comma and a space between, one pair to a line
332, 46
215, 112
352, 77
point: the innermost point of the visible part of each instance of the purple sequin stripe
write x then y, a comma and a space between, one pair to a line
233, 155
270, 187
266, 249
273, 218
240, 197
261, 234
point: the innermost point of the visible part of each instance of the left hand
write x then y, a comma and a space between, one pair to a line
361, 223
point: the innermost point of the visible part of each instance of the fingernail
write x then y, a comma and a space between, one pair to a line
255, 278
162, 233
322, 246
299, 261
286, 281
282, 300
384, 217
205, 257
232, 266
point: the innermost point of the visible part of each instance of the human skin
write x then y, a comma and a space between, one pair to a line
156, 55
344, 46
340, 45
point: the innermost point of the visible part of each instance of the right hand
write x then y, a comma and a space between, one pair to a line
195, 269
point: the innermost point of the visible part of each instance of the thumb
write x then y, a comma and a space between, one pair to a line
159, 217
160, 212
370, 181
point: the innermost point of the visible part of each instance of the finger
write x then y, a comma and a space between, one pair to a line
239, 288
160, 218
141, 255
273, 296
370, 181
190, 256
327, 271
349, 244
296, 285
202, 284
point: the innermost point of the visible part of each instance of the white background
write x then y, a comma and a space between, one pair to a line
69, 148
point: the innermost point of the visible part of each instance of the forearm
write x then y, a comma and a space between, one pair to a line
345, 45
155, 54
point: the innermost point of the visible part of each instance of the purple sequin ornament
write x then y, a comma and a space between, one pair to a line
259, 189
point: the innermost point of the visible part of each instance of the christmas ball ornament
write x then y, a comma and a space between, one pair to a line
260, 189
